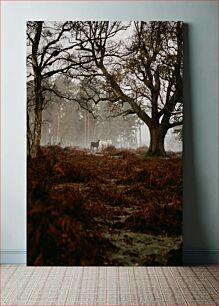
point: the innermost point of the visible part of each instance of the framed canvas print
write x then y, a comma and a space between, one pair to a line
104, 143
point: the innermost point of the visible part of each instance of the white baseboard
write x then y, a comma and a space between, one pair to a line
12, 256
192, 257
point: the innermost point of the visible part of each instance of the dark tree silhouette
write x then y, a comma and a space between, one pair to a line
144, 72
50, 51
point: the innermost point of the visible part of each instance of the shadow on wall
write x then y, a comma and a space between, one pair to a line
192, 225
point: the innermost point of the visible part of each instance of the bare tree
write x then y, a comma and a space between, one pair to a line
144, 72
50, 51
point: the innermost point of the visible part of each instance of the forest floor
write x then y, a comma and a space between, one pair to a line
117, 207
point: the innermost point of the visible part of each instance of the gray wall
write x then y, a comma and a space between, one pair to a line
201, 114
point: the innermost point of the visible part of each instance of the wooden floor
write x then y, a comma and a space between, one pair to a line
126, 286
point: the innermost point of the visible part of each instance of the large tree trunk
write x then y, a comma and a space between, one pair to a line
29, 136
36, 137
37, 133
157, 136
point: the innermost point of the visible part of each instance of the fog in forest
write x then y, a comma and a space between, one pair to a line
78, 100
67, 125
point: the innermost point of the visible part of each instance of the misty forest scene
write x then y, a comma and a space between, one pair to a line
104, 122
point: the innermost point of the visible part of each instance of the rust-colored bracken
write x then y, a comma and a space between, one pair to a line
79, 203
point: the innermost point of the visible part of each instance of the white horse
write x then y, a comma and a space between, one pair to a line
105, 144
